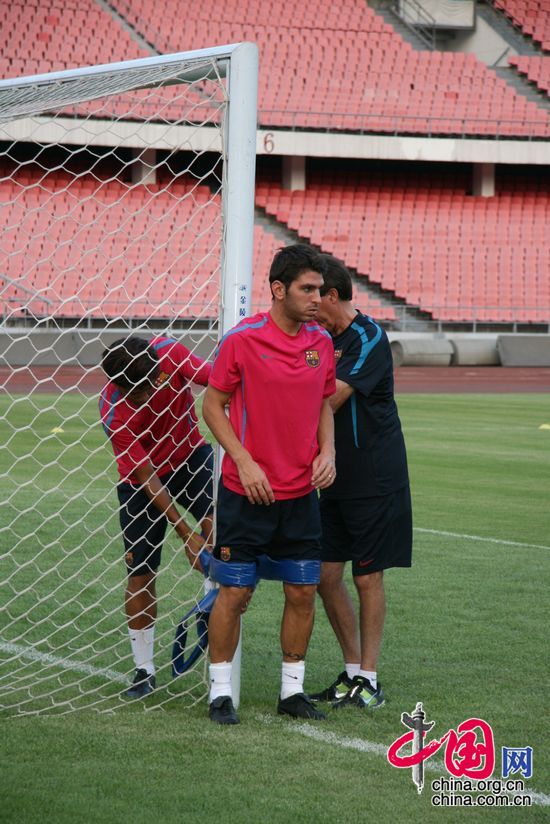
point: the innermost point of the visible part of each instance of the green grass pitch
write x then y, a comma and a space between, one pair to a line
465, 634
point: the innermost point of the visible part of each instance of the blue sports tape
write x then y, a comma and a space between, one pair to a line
292, 572
232, 575
180, 661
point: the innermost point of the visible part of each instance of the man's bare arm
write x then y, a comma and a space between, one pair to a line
324, 469
159, 495
343, 392
252, 476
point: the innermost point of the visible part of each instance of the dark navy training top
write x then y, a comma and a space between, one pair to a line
370, 449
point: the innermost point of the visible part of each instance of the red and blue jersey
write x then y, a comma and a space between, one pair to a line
164, 430
277, 384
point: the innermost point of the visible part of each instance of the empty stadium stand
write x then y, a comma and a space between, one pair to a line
535, 69
83, 248
457, 257
324, 65
340, 66
335, 66
531, 16
38, 36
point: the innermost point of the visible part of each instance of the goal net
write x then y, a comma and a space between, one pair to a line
127, 195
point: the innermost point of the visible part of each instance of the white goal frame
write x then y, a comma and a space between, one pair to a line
29, 97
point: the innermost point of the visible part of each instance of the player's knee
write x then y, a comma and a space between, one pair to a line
369, 583
235, 599
301, 596
139, 583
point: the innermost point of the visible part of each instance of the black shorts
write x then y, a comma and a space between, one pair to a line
285, 529
144, 527
373, 533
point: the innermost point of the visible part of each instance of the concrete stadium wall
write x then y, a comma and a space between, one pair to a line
83, 347
436, 351
524, 350
69, 347
474, 351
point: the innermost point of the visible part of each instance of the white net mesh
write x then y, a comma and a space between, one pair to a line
111, 185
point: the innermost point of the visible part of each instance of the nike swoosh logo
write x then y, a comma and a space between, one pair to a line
365, 563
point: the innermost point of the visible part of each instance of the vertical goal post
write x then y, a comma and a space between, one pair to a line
128, 201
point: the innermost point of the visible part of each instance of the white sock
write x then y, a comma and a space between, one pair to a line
143, 642
371, 676
220, 680
352, 669
292, 678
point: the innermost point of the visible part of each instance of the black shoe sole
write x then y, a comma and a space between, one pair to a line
320, 717
224, 720
127, 694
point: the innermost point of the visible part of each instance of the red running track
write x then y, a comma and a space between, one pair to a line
427, 379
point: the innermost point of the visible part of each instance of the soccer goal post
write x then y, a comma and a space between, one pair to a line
128, 200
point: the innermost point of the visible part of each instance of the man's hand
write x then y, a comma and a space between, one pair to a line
193, 544
324, 471
254, 480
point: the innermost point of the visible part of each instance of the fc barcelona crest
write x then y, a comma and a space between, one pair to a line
162, 378
312, 358
225, 553
338, 354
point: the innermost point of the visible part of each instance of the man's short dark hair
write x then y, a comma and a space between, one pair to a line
337, 277
130, 363
290, 261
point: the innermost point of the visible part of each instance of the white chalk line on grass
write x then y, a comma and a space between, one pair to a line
379, 749
53, 660
479, 538
302, 729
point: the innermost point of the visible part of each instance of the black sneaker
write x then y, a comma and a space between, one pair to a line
299, 706
143, 684
337, 689
222, 711
362, 694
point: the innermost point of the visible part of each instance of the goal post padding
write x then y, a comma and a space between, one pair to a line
128, 195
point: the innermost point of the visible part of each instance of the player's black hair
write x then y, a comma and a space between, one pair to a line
336, 277
290, 261
130, 363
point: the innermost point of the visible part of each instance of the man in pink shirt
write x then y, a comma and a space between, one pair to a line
276, 372
148, 414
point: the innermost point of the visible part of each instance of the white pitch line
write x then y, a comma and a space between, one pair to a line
379, 749
73, 666
302, 729
479, 538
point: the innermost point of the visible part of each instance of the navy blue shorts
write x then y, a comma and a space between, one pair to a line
373, 533
285, 529
144, 527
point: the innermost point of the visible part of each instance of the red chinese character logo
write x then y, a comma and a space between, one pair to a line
464, 754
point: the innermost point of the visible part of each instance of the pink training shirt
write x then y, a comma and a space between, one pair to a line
278, 383
164, 430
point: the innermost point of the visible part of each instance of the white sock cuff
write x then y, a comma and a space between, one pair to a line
352, 669
220, 679
292, 678
370, 675
142, 642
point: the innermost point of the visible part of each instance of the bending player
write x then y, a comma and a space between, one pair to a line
366, 514
276, 370
147, 411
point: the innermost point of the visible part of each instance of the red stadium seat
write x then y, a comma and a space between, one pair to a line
451, 258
